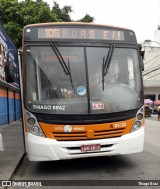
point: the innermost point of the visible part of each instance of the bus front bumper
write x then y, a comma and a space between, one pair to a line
45, 149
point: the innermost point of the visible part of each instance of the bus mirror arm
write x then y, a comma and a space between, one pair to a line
141, 53
142, 63
141, 59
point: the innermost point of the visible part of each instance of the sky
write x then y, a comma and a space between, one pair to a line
142, 16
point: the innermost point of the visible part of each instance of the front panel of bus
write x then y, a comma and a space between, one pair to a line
82, 93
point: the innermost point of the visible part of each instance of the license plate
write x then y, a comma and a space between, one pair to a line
90, 147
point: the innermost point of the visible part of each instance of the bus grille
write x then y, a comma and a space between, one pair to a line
77, 136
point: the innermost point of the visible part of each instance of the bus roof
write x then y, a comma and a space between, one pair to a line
76, 23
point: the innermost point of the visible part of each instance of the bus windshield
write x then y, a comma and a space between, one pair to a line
79, 85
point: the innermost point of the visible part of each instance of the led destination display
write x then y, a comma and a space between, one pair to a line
80, 33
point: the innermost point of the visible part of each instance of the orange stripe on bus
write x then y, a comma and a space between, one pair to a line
82, 132
25, 124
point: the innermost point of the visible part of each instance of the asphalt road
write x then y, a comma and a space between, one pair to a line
126, 168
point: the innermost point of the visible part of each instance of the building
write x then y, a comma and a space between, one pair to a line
10, 109
151, 74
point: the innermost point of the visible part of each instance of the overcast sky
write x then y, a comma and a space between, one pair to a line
142, 16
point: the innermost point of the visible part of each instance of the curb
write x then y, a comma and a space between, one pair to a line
8, 172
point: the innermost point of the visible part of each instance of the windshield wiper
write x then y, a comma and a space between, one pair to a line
106, 63
60, 58
70, 74
66, 69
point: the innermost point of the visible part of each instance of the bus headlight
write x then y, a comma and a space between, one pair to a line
138, 120
35, 129
139, 116
33, 125
31, 121
136, 126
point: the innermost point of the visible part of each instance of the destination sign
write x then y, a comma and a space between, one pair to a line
80, 33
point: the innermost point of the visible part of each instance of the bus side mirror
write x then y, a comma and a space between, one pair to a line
9, 65
142, 64
142, 58
9, 72
141, 52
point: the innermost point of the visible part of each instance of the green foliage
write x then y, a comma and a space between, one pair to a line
17, 14
15, 32
63, 14
86, 18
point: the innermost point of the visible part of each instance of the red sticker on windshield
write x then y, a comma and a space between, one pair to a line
97, 106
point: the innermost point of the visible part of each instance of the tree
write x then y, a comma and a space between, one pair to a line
11, 19
63, 14
86, 18
17, 14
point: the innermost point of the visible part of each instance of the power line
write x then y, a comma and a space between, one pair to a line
152, 76
151, 59
151, 71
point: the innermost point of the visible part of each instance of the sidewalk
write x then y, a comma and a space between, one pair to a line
12, 137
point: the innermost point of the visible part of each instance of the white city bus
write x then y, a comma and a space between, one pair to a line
82, 91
